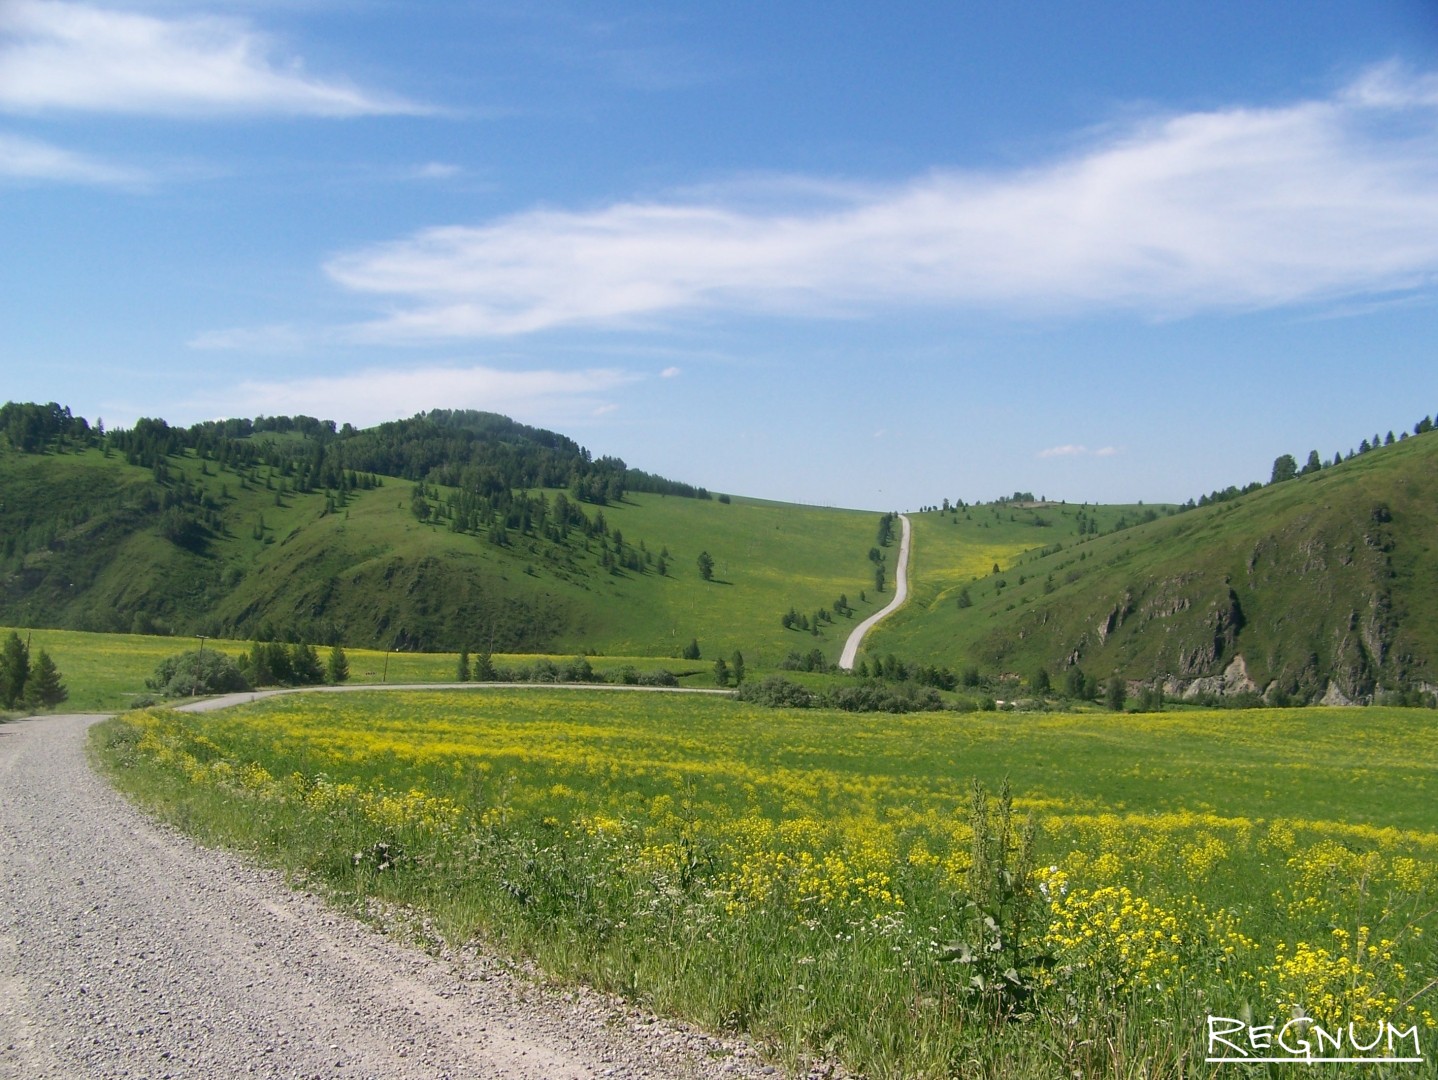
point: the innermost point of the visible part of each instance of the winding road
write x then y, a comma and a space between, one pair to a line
901, 593
128, 950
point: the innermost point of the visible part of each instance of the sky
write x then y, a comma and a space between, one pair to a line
850, 254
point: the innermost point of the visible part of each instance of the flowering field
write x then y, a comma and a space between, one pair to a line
865, 888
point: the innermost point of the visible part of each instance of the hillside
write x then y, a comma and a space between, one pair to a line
290, 528
1318, 586
460, 530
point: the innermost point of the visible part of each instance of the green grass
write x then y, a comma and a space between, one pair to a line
107, 672
799, 875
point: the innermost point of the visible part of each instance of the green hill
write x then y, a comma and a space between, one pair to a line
459, 530
1319, 585
291, 531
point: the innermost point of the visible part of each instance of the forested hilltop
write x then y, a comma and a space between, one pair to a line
481, 453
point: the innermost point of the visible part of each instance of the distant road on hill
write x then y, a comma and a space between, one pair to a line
901, 593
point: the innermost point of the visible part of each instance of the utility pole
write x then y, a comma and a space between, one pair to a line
199, 664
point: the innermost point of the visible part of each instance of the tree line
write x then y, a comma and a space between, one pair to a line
475, 451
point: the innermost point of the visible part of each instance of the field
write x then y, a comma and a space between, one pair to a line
859, 888
106, 672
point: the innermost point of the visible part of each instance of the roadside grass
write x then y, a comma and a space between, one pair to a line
807, 876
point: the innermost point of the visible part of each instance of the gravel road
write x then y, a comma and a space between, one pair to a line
901, 593
127, 950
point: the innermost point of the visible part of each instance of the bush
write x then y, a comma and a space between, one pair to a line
197, 672
877, 697
777, 692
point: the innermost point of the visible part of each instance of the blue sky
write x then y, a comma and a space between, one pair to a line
855, 254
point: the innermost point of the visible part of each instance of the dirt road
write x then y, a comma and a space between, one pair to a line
127, 950
901, 593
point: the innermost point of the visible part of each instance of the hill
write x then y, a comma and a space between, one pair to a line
456, 530
446, 531
1318, 587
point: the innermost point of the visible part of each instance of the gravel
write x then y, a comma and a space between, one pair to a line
127, 950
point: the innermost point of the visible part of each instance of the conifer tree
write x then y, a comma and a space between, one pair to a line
14, 670
43, 689
337, 668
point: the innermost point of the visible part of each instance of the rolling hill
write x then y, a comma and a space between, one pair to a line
1321, 586
273, 533
465, 530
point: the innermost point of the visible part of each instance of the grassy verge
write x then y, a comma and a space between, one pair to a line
832, 884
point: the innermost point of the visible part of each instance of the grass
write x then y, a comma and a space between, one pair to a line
805, 876
107, 672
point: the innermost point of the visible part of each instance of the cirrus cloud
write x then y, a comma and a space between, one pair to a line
56, 55
1234, 209
30, 159
1077, 450
373, 395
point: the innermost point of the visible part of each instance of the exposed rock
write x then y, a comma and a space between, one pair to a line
1335, 696
1234, 680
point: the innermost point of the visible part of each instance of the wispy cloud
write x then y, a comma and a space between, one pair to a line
278, 338
1242, 208
374, 395
435, 170
29, 159
1076, 450
57, 55
670, 372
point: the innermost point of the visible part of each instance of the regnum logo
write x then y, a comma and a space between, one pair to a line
1304, 1040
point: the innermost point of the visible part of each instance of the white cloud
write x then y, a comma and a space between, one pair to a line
57, 55
278, 338
669, 373
29, 159
375, 395
1077, 450
1235, 209
435, 170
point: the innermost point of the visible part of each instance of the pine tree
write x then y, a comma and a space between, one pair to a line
462, 671
337, 668
721, 672
43, 689
14, 670
483, 668
736, 666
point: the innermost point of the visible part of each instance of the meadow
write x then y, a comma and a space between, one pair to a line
923, 895
106, 672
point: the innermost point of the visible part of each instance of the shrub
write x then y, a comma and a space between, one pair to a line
197, 672
776, 692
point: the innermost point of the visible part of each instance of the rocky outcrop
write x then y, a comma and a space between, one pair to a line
1234, 680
